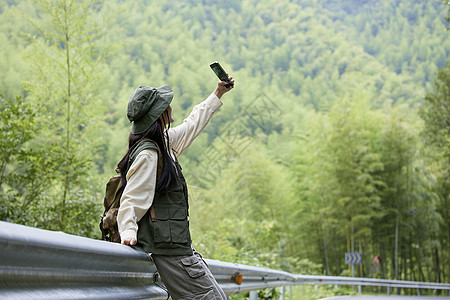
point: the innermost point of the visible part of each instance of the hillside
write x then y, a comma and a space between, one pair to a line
318, 146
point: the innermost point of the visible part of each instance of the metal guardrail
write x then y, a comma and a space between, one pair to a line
356, 281
41, 264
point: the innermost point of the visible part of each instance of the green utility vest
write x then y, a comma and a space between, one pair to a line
167, 231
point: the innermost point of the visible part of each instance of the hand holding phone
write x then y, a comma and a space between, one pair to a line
220, 72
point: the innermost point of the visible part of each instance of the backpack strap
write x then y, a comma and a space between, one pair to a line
152, 214
143, 145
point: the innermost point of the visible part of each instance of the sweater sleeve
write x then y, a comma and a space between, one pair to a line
138, 194
181, 136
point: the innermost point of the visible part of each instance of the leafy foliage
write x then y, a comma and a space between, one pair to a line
17, 128
64, 61
316, 151
437, 139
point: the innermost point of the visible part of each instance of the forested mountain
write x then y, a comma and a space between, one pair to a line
319, 150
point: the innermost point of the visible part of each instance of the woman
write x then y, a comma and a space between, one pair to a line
154, 206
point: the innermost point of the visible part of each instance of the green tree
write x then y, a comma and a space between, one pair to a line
397, 147
12, 65
17, 124
24, 168
317, 189
340, 181
436, 115
447, 3
250, 201
355, 165
66, 62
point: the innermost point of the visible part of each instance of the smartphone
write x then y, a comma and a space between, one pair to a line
220, 72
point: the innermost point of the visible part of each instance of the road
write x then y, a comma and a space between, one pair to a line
367, 297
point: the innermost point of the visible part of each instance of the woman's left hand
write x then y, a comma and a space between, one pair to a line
221, 89
129, 242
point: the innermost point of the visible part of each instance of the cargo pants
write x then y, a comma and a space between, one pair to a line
188, 277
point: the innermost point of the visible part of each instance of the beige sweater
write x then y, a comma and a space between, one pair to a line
141, 177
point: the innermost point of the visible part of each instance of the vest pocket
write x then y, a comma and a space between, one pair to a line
161, 228
171, 225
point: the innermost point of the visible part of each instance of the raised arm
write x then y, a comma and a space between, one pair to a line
184, 134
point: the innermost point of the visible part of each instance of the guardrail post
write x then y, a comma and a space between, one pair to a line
253, 295
388, 291
282, 292
359, 289
418, 292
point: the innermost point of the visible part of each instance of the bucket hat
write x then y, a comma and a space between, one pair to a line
145, 106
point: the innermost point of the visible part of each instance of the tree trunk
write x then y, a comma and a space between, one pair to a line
2, 172
383, 260
437, 264
67, 147
396, 247
361, 273
430, 277
327, 265
419, 263
446, 277
411, 261
405, 262
348, 246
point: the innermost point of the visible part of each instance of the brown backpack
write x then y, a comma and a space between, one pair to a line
113, 193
